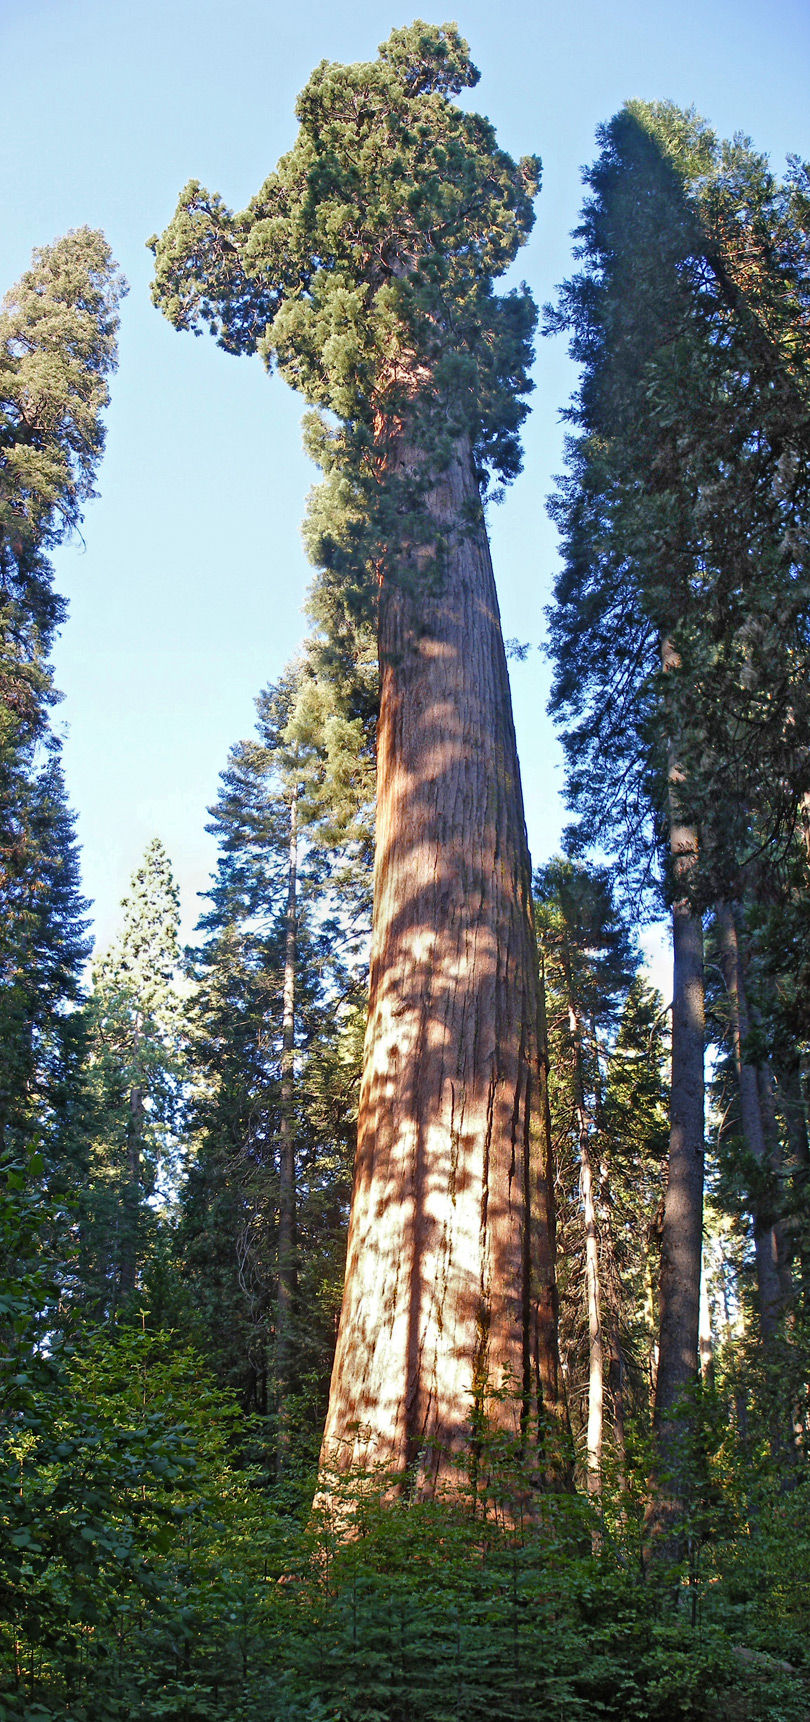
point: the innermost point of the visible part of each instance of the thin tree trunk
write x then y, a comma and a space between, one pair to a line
767, 1246
610, 1286
611, 1290
705, 1342
595, 1349
552, 1397
649, 1305
773, 1146
287, 1267
791, 1105
449, 1295
596, 1390
132, 1195
682, 1227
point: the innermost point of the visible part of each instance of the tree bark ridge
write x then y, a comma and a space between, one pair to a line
449, 1289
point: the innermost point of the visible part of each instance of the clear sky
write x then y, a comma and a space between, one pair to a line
185, 598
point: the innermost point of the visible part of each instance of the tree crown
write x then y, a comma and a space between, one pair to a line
363, 270
58, 329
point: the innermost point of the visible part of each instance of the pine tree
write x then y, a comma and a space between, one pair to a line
274, 1050
136, 1074
364, 270
680, 516
58, 330
43, 947
607, 1150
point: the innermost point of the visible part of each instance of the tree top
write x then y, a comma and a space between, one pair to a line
363, 268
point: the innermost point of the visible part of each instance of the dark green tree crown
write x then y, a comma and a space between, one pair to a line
58, 330
363, 269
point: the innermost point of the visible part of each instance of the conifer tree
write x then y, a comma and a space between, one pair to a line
607, 1112
58, 330
43, 947
364, 269
682, 522
273, 1046
136, 1076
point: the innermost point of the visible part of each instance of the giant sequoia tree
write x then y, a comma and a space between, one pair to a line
363, 269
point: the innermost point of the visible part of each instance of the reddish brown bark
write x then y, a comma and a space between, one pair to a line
450, 1276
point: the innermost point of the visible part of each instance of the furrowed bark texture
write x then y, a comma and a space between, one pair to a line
450, 1275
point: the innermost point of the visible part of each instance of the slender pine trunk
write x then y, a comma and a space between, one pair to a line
449, 1296
768, 1239
132, 1194
551, 1394
611, 1295
610, 1285
682, 1225
593, 1300
705, 1340
287, 1267
595, 1347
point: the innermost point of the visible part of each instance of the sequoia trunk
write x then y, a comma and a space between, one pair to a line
449, 1290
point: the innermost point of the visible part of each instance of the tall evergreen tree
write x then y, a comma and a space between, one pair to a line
279, 991
43, 947
364, 269
607, 1103
136, 1075
680, 555
58, 330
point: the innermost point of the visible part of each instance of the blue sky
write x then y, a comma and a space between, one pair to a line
185, 598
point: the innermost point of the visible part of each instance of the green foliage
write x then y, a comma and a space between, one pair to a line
145, 1573
147, 1567
134, 1078
363, 269
684, 510
43, 946
309, 745
58, 331
607, 1087
57, 347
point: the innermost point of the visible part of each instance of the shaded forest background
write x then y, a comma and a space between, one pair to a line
178, 1128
